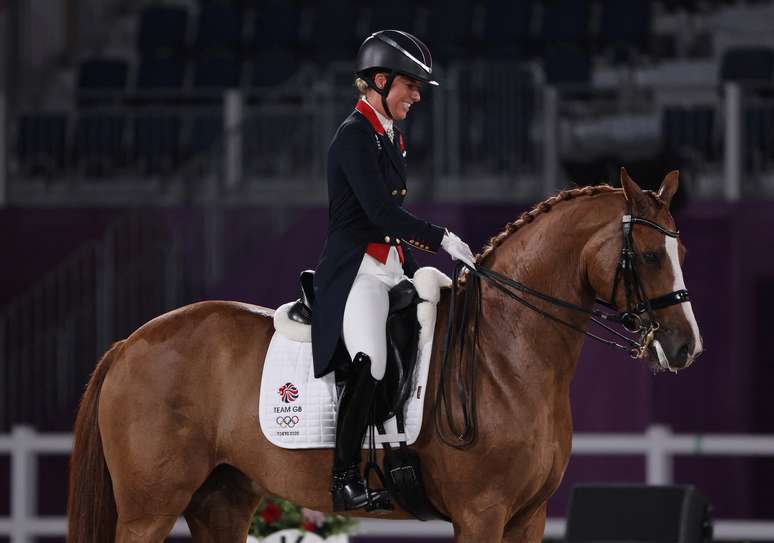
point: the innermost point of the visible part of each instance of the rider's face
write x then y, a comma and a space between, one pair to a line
403, 93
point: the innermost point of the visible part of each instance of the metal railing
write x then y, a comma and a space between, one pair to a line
490, 131
3, 153
657, 444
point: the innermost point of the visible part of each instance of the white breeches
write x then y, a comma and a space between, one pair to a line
365, 315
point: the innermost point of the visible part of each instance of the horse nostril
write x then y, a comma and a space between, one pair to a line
684, 352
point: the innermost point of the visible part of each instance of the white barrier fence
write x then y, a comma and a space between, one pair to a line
657, 444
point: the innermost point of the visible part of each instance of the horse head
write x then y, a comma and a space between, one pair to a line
634, 265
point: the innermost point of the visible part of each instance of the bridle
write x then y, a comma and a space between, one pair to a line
637, 305
636, 302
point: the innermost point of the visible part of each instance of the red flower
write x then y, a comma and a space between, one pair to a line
271, 513
309, 526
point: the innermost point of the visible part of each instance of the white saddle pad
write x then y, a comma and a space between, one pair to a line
297, 411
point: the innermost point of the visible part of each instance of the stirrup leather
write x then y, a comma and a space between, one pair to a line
349, 489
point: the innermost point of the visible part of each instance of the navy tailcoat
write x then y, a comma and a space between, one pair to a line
366, 188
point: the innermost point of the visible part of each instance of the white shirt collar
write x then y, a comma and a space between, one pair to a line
386, 122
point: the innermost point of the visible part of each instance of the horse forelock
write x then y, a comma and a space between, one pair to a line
541, 208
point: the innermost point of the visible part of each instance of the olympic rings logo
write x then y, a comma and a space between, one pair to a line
287, 421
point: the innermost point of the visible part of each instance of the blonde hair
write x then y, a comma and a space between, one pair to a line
361, 86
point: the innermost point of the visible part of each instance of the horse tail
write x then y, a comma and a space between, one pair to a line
91, 507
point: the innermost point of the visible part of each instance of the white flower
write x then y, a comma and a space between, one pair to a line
314, 517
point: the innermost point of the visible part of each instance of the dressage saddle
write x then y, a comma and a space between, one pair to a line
402, 335
402, 465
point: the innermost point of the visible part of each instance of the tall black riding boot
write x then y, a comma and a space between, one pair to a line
348, 488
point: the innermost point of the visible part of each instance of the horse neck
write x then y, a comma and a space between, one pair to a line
546, 256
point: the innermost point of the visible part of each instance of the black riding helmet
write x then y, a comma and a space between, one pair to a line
395, 52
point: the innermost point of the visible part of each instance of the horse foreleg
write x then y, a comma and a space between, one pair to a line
526, 531
149, 528
479, 526
221, 509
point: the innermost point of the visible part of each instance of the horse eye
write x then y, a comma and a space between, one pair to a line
650, 257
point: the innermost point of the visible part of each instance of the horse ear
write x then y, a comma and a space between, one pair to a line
669, 186
632, 191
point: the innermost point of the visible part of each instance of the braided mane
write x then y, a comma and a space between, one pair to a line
528, 216
544, 207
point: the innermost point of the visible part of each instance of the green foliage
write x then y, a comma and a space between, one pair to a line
274, 514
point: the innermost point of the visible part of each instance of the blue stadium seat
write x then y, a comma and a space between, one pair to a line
451, 36
217, 72
156, 142
219, 29
99, 143
493, 136
565, 21
758, 129
273, 68
397, 14
99, 133
163, 31
507, 32
277, 24
748, 64
103, 75
206, 131
567, 64
626, 26
689, 132
160, 73
41, 143
333, 34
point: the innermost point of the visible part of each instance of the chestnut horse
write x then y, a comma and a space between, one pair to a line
167, 425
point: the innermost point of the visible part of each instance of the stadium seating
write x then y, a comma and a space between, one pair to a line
41, 145
567, 64
690, 132
758, 127
165, 73
219, 29
625, 27
748, 64
565, 21
508, 33
187, 54
100, 130
162, 31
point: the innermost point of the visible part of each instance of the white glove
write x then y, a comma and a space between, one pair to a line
458, 249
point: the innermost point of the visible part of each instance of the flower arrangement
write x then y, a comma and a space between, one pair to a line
274, 514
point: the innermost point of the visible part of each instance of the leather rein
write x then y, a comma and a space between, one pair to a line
637, 305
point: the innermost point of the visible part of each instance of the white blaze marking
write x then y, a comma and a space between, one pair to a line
671, 248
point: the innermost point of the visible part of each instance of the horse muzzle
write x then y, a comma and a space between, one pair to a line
672, 350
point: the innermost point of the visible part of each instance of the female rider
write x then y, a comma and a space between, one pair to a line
366, 251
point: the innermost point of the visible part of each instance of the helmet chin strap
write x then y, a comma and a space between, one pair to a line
383, 92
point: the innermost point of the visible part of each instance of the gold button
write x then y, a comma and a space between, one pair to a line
386, 239
403, 192
394, 192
